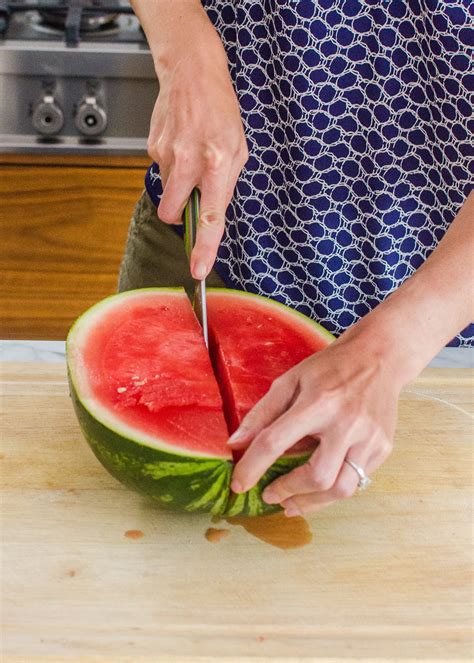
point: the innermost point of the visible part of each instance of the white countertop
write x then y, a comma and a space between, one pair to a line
54, 351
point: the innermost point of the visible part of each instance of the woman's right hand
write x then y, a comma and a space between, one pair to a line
196, 134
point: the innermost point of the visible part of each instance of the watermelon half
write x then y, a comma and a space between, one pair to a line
157, 408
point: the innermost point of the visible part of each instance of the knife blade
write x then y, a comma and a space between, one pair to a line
191, 218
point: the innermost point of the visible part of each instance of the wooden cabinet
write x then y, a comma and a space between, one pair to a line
64, 223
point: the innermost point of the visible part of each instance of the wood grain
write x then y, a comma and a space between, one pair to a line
387, 576
63, 231
97, 160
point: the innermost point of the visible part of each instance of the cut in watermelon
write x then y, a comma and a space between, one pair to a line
148, 401
252, 343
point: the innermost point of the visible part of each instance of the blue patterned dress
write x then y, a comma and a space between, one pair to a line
358, 117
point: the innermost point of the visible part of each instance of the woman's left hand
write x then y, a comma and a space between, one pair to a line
346, 396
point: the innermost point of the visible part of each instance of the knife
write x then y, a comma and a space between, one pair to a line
191, 218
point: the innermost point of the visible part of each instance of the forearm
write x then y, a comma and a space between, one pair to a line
175, 28
417, 320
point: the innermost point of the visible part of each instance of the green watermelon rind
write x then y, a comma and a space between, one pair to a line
178, 480
251, 502
149, 469
175, 481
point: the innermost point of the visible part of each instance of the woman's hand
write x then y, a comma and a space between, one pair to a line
346, 396
196, 133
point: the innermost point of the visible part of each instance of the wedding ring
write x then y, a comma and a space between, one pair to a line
364, 480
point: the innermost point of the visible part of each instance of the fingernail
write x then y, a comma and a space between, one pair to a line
236, 487
236, 436
292, 511
200, 271
270, 497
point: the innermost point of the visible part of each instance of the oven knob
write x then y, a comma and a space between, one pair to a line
91, 118
48, 118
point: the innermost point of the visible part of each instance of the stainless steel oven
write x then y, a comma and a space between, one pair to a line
77, 88
75, 77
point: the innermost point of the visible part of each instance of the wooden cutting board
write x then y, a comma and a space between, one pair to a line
387, 575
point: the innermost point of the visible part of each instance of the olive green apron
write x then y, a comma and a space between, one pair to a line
154, 254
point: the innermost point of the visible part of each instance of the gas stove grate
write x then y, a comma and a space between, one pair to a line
72, 16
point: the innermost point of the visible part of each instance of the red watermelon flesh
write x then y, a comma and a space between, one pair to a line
148, 401
147, 363
251, 345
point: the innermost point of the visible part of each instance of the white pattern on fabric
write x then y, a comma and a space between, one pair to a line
358, 119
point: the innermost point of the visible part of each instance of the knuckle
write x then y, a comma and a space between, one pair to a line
324, 399
157, 150
165, 211
371, 429
183, 163
385, 448
211, 219
271, 441
214, 159
151, 150
154, 152
242, 154
344, 490
165, 215
180, 152
353, 417
276, 385
266, 443
286, 381
320, 479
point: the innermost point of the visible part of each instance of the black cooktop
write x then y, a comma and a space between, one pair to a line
70, 21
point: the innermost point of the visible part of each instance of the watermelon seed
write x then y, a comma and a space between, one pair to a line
120, 390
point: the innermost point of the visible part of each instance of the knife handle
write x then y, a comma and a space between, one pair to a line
190, 220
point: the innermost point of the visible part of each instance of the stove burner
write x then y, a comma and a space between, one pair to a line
72, 18
53, 22
90, 21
